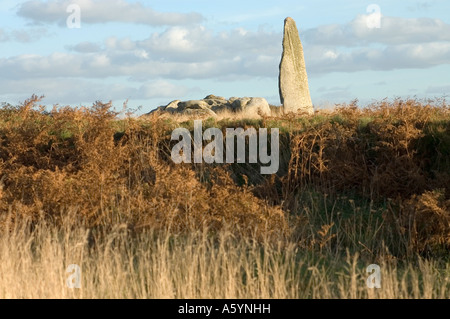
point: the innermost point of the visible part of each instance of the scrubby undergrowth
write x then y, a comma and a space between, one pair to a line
370, 179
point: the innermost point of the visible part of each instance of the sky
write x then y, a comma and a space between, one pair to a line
148, 53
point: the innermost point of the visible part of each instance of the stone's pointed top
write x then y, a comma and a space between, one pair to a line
288, 19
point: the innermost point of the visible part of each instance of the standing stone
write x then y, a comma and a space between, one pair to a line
293, 80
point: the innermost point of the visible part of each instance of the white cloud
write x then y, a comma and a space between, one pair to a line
141, 54
404, 56
76, 91
23, 35
85, 47
177, 53
330, 55
100, 61
103, 11
421, 5
400, 43
393, 30
199, 44
196, 52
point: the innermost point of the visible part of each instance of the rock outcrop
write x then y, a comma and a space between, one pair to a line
213, 106
293, 80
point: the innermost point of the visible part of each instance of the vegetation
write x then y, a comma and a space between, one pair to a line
356, 186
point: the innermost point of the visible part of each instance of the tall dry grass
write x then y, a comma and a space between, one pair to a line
196, 265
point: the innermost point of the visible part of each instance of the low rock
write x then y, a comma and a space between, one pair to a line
193, 105
217, 103
210, 106
256, 107
172, 106
199, 113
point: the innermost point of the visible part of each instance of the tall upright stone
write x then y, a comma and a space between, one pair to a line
293, 80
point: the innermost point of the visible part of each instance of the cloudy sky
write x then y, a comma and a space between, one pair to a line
152, 52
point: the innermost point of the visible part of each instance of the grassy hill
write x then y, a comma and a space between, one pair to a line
356, 186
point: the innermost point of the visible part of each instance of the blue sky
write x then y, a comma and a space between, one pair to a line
153, 52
